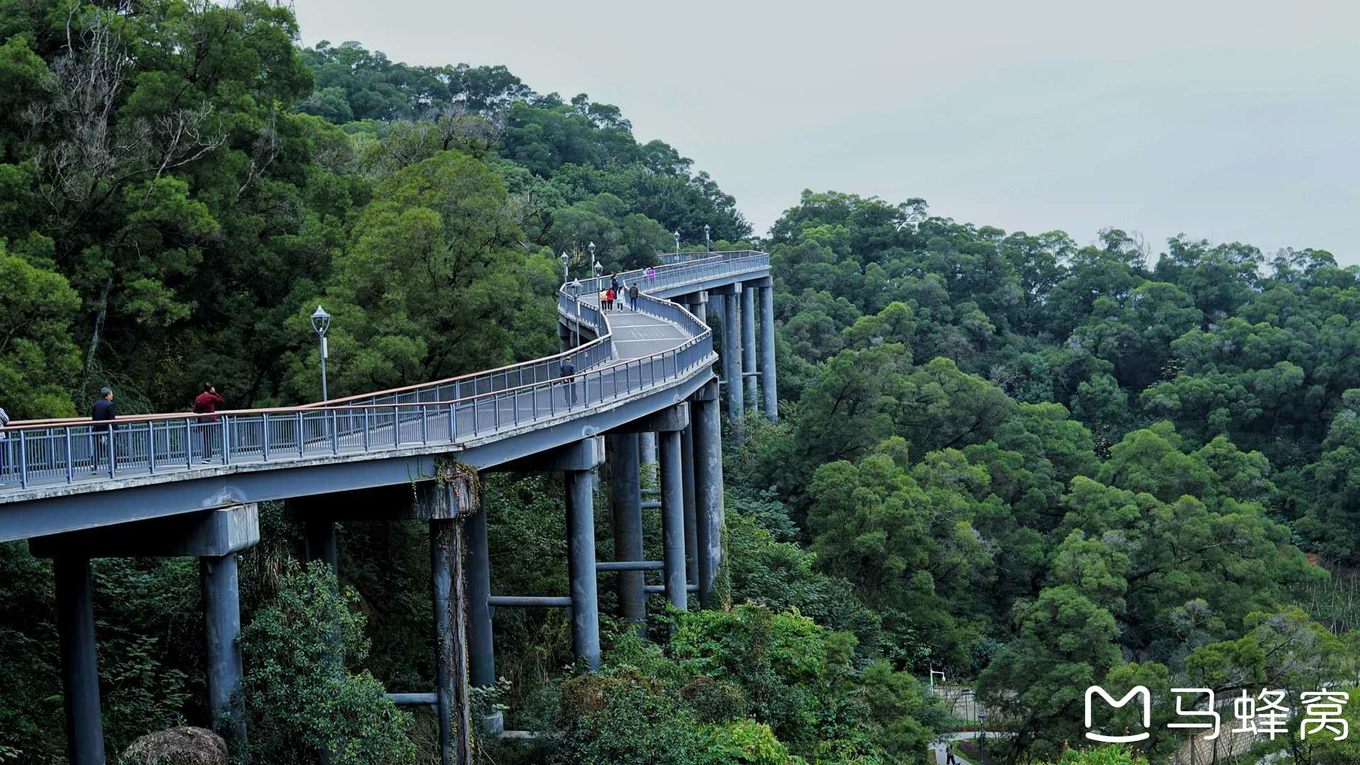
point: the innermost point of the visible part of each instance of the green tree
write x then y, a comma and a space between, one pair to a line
301, 692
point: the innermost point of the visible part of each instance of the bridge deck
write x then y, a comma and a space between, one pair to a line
649, 361
638, 335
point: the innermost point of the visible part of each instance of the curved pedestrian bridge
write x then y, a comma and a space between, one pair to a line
64, 475
188, 485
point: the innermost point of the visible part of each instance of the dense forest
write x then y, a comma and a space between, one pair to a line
1026, 462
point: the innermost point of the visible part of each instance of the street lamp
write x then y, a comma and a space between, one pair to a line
677, 241
575, 289
321, 321
564, 266
708, 244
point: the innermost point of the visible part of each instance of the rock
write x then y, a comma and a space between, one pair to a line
177, 746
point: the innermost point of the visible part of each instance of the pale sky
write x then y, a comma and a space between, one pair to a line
1223, 120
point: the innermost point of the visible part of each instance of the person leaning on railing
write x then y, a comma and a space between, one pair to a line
102, 411
206, 403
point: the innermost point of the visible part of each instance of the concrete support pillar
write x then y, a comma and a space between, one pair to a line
585, 603
708, 484
673, 519
748, 345
222, 613
625, 495
481, 645
450, 629
731, 358
647, 445
687, 466
768, 384
321, 543
700, 309
79, 668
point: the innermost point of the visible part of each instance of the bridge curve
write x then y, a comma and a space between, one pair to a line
72, 476
151, 485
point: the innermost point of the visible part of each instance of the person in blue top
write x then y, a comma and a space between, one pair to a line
102, 411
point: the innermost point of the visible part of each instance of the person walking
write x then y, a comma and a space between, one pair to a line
206, 403
623, 295
103, 411
633, 296
568, 373
4, 444
610, 297
604, 299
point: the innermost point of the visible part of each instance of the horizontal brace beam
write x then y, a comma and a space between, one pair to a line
414, 699
659, 589
651, 504
630, 565
529, 601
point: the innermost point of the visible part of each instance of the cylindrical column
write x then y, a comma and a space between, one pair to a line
768, 385
647, 445
673, 519
700, 310
450, 634
585, 603
748, 344
731, 361
481, 645
687, 467
625, 501
321, 542
79, 668
222, 613
708, 486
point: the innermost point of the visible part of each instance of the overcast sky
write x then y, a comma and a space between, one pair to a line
1224, 120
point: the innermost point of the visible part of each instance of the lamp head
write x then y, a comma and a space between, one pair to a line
321, 321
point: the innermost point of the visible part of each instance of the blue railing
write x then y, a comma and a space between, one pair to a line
460, 410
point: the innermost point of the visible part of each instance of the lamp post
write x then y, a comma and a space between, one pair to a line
677, 241
575, 289
708, 243
321, 321
565, 277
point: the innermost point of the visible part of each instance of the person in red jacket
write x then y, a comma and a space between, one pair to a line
207, 403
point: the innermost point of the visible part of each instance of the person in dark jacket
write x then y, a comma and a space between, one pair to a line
633, 296
567, 373
207, 403
102, 411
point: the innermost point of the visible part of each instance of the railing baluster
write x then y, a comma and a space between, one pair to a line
365, 428
151, 446
70, 464
264, 437
23, 461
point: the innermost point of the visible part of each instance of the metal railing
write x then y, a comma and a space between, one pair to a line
457, 410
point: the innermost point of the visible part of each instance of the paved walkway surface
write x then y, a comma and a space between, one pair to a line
637, 334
